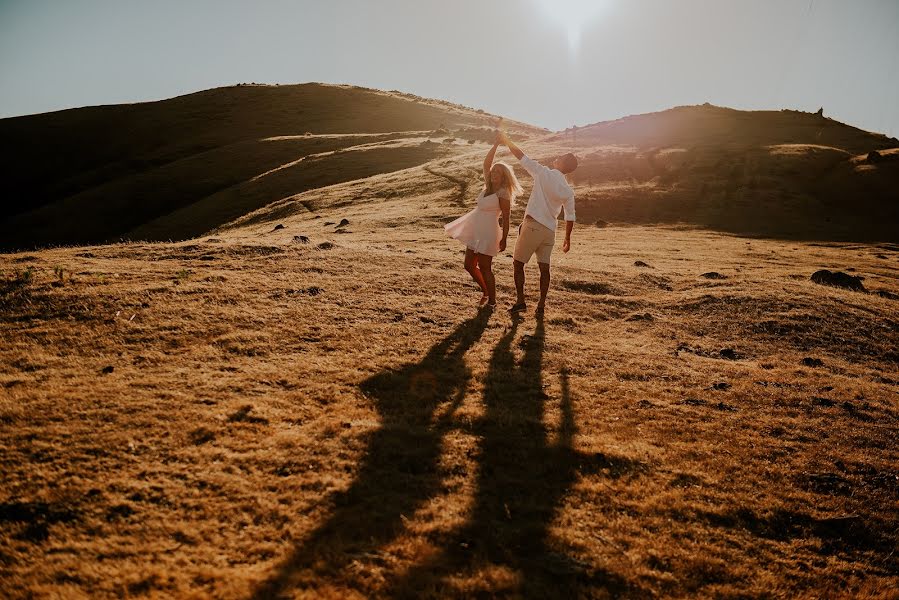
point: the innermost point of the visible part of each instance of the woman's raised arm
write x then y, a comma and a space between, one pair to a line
488, 162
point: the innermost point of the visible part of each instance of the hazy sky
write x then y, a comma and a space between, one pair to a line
597, 60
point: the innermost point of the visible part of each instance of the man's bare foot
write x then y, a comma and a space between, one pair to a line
484, 299
541, 308
518, 307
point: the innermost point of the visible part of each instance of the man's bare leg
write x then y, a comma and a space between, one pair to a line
544, 285
519, 285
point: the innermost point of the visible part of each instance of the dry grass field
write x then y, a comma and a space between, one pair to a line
253, 414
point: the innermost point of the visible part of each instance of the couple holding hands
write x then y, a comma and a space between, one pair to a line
485, 229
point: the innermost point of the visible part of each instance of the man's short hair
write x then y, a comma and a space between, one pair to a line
570, 162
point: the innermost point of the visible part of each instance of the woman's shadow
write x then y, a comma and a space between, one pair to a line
399, 471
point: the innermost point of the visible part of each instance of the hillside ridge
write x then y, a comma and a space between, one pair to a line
178, 168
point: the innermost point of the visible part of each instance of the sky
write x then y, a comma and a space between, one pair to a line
552, 63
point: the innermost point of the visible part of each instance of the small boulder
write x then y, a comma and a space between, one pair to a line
325, 246
107, 369
713, 275
640, 263
808, 361
600, 223
301, 239
278, 226
838, 279
729, 354
820, 112
343, 223
874, 157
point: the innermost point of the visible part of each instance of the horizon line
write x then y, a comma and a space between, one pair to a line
408, 93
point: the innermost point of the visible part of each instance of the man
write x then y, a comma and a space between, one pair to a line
537, 233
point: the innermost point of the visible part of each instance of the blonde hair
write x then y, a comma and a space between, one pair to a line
510, 182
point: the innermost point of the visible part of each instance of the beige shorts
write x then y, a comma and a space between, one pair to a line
534, 238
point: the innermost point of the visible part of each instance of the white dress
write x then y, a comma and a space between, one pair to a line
479, 229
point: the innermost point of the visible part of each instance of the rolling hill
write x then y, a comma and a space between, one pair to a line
179, 168
770, 173
101, 173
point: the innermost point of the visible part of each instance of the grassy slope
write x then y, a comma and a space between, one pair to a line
787, 174
335, 419
99, 173
178, 168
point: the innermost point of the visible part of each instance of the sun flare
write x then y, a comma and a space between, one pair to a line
573, 16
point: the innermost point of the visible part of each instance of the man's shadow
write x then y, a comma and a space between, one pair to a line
525, 473
399, 471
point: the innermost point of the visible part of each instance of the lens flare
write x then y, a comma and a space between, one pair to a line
573, 16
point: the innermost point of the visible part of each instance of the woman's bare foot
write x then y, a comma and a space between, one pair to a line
484, 299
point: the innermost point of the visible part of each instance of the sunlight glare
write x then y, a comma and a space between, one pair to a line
573, 15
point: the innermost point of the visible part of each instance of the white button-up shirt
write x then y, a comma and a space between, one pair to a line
551, 193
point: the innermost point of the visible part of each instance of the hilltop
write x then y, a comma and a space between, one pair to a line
785, 174
99, 174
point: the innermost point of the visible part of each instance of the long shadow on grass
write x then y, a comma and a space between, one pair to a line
524, 475
399, 471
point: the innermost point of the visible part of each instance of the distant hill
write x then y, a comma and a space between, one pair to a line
777, 173
100, 173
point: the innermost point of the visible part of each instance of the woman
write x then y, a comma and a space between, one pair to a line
480, 229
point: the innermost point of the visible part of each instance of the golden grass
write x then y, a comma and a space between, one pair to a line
246, 415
